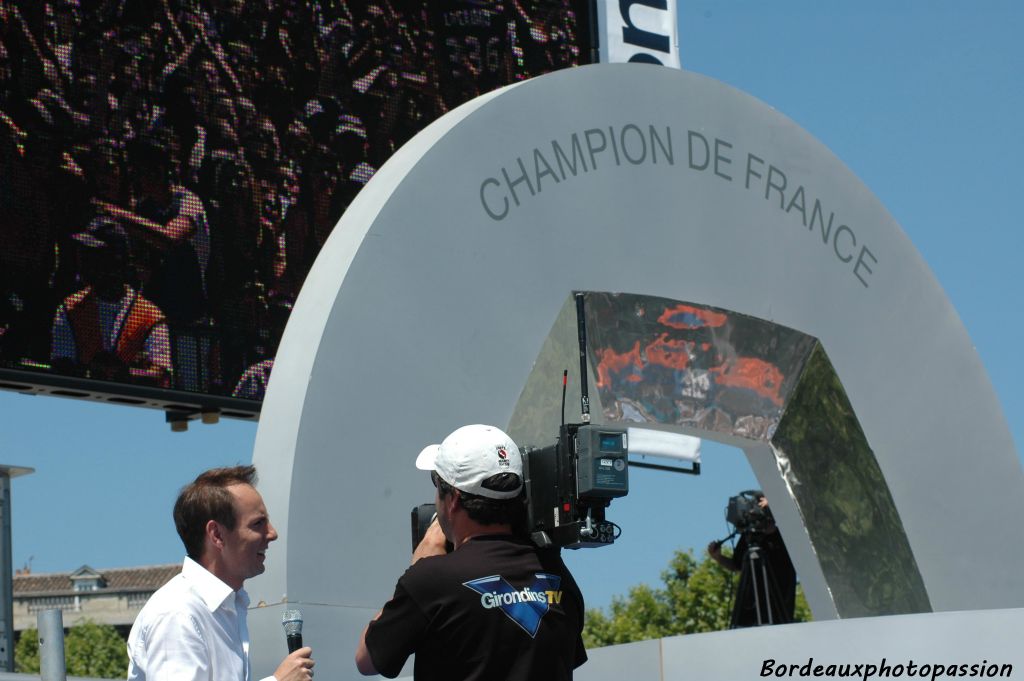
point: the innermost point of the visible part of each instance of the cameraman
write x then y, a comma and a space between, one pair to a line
495, 608
755, 604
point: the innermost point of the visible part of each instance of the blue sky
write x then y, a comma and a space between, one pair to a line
922, 100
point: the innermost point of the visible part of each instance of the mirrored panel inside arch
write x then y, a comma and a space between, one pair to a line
730, 377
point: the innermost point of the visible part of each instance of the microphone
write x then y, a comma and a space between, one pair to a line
292, 622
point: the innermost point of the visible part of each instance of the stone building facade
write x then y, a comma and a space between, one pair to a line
113, 596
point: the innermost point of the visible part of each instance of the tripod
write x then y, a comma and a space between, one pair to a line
759, 600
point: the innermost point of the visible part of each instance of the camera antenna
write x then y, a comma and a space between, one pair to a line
581, 329
565, 380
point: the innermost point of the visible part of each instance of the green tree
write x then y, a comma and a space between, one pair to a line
26, 652
695, 597
90, 649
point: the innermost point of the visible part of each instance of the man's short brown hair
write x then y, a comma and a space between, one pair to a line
207, 498
488, 511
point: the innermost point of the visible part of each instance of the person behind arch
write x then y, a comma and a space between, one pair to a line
760, 555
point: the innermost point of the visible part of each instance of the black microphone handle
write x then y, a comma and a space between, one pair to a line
294, 642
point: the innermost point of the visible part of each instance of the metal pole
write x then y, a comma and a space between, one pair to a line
6, 586
51, 645
6, 576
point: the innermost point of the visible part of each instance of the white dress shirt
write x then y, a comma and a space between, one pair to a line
192, 629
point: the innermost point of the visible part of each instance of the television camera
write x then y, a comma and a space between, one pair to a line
568, 484
571, 483
745, 513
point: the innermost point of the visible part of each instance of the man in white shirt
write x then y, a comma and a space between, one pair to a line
194, 627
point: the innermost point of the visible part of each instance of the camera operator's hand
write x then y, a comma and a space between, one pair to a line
432, 543
715, 551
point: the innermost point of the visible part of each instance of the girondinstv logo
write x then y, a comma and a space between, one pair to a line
527, 606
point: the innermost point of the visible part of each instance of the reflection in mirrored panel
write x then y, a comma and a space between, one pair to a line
539, 410
844, 500
671, 362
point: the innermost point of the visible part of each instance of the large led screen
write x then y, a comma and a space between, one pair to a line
169, 169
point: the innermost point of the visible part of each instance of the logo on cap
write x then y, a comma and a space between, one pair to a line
502, 456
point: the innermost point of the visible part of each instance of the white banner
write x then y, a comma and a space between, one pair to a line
641, 31
667, 445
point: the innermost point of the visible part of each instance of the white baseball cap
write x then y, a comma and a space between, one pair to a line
471, 455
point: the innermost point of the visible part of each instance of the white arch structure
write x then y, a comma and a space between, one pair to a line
435, 294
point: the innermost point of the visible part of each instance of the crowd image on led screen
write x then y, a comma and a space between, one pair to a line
169, 169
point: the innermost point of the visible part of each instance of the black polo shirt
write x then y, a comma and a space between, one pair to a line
497, 608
